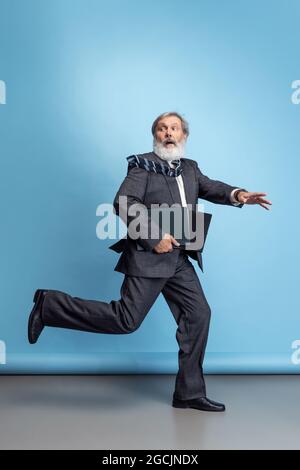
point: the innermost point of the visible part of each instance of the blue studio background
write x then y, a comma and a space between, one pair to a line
83, 81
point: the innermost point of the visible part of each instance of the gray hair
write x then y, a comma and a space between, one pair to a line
184, 123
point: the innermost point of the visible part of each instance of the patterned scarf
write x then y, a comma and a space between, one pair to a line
149, 165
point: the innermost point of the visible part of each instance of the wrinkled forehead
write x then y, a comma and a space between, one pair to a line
170, 121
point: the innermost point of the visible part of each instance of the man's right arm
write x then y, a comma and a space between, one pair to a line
134, 188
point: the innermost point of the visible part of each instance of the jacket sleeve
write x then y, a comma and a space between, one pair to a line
213, 190
134, 187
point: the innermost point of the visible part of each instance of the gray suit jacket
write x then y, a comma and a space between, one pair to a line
141, 186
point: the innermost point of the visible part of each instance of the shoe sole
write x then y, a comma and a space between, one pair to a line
184, 405
35, 299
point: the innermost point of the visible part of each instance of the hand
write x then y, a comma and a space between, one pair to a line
246, 197
166, 244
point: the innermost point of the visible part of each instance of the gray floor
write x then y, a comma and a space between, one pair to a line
135, 412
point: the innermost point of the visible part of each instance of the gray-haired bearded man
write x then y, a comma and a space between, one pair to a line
151, 265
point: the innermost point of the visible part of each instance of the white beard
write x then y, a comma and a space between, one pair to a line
176, 152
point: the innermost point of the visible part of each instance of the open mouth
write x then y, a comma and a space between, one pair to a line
168, 142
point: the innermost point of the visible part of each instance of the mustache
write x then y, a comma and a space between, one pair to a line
169, 141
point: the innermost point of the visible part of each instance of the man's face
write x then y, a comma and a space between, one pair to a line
169, 132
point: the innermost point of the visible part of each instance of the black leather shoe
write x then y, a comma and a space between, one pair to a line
201, 403
35, 322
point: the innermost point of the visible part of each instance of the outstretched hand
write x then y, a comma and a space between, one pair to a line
246, 197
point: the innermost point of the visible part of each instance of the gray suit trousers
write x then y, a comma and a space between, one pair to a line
185, 298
